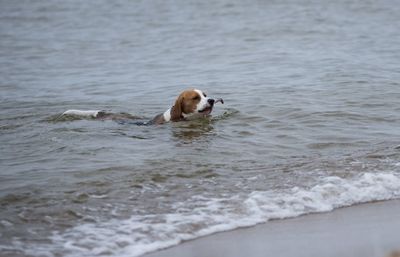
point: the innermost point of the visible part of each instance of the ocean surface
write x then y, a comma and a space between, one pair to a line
311, 120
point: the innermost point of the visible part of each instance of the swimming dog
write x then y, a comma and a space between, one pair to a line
190, 104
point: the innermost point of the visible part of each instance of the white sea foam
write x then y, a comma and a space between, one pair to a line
200, 216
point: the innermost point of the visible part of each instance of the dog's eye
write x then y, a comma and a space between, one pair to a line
204, 95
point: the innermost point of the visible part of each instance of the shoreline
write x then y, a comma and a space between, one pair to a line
369, 229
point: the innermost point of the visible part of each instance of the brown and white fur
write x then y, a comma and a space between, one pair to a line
190, 104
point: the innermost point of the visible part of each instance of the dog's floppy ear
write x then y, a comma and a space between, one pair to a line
176, 111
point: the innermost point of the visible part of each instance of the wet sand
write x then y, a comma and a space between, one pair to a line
371, 229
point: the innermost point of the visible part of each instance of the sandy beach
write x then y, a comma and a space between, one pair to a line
363, 230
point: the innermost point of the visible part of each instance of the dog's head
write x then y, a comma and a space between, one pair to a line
191, 104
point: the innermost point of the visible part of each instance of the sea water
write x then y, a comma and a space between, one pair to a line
310, 122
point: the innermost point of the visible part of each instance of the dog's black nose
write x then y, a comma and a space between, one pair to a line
211, 101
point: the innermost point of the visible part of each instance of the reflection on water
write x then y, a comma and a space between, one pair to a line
187, 132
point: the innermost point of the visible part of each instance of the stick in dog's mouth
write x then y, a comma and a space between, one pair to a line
219, 100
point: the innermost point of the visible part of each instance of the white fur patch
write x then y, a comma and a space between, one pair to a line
167, 115
82, 113
203, 101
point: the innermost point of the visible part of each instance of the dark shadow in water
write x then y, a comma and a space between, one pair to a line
187, 132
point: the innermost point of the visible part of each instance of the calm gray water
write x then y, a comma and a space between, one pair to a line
310, 122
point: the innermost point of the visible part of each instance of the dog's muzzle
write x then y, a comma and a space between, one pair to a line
209, 106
